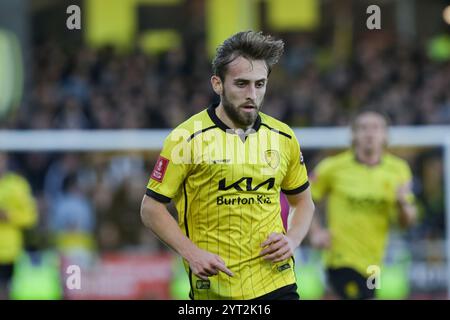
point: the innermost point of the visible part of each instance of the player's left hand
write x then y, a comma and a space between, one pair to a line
277, 247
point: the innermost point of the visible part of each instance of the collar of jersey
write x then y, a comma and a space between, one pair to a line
222, 125
357, 160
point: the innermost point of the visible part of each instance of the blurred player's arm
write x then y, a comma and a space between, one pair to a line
21, 209
155, 216
319, 236
278, 246
406, 207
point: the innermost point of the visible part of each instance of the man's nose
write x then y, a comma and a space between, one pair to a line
251, 93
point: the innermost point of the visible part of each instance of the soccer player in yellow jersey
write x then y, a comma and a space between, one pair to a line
17, 212
367, 189
224, 168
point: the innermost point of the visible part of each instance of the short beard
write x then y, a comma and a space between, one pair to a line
241, 119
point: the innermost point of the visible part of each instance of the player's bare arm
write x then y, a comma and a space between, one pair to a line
203, 264
277, 246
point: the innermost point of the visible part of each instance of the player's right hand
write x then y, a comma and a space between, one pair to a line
205, 264
320, 239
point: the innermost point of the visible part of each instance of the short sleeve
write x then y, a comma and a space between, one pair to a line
296, 179
171, 167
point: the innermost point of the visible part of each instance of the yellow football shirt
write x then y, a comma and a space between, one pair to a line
226, 190
17, 201
361, 206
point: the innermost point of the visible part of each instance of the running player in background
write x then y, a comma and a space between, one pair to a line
224, 168
367, 189
17, 212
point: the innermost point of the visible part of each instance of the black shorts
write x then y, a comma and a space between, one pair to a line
6, 273
347, 283
288, 292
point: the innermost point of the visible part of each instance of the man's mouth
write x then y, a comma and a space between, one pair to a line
248, 107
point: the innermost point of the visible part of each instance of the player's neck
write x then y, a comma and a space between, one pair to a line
368, 157
222, 115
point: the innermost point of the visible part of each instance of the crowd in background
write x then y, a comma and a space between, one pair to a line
97, 89
98, 195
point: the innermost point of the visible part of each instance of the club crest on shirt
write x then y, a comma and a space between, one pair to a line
272, 158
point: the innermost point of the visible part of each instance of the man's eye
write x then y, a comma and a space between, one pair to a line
240, 84
260, 84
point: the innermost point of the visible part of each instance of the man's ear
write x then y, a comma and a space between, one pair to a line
217, 85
